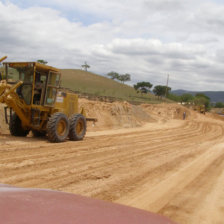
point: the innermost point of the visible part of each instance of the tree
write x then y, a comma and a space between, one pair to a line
186, 97
161, 90
202, 95
174, 97
85, 66
202, 99
124, 78
143, 87
113, 75
42, 61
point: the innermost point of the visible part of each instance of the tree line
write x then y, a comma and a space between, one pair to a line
141, 87
145, 87
219, 105
165, 91
187, 98
198, 99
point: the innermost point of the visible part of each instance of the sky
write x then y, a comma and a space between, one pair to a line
147, 39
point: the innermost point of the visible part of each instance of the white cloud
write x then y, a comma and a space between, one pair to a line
146, 38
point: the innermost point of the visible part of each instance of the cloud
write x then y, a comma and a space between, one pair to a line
146, 38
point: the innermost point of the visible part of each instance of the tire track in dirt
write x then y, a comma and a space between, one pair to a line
161, 193
206, 206
55, 160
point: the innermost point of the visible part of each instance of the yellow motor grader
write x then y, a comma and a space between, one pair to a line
35, 102
199, 108
1, 74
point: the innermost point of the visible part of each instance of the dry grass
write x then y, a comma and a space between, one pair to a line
90, 83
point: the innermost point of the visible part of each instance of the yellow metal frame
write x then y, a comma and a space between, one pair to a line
3, 58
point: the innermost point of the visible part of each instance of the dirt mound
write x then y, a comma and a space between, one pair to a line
125, 115
165, 112
122, 114
115, 115
216, 116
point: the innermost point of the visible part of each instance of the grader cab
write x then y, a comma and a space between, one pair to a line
36, 102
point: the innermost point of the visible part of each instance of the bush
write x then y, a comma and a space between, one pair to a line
219, 105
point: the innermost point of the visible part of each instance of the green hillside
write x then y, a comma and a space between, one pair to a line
86, 82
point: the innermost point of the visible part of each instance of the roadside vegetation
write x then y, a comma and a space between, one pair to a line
198, 100
218, 105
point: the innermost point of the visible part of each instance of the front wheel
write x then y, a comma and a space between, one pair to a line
58, 127
15, 126
77, 127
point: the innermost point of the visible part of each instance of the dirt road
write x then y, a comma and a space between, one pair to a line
175, 168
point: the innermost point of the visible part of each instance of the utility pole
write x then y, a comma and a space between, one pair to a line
167, 82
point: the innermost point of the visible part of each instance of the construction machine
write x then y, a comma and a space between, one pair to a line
200, 108
36, 102
2, 59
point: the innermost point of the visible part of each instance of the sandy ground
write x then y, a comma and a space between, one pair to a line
142, 156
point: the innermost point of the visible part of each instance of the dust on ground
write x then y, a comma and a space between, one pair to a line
143, 156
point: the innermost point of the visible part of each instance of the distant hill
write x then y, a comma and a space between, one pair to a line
97, 85
215, 96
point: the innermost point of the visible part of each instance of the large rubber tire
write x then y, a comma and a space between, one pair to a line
77, 127
58, 127
15, 126
39, 133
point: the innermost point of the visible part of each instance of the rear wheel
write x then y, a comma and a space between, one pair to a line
77, 127
15, 126
58, 127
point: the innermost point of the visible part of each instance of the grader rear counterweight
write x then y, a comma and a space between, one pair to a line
37, 103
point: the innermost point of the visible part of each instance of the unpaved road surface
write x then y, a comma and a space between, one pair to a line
174, 168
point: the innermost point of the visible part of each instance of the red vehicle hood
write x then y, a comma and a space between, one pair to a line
36, 206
